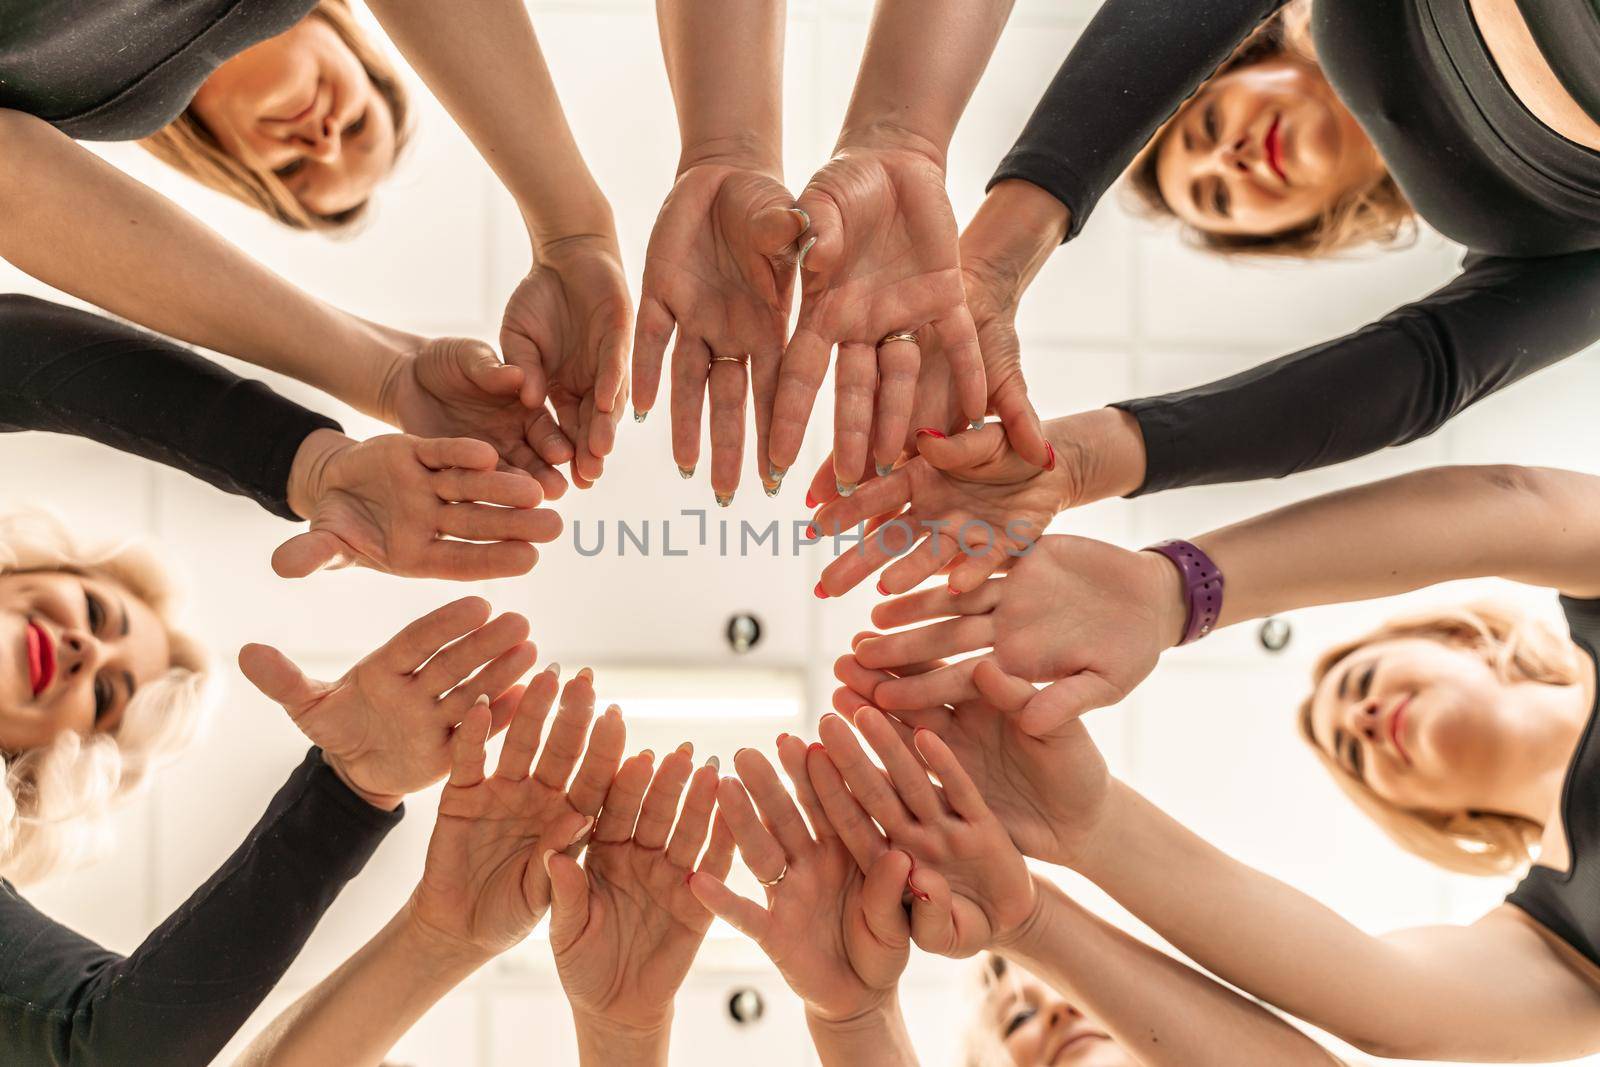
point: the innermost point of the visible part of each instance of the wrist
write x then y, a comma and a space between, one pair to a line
606, 1040
743, 151
885, 135
1014, 232
880, 1005
308, 472
1030, 931
435, 949
587, 218
1104, 450
382, 801
1096, 858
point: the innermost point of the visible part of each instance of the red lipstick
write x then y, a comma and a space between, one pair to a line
41, 658
1273, 145
1396, 721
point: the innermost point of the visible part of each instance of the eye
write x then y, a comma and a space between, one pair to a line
1365, 685
1211, 123
1220, 199
1357, 758
94, 610
355, 128
289, 170
1017, 1020
102, 697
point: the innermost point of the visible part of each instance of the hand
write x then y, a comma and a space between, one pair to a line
883, 259
483, 886
720, 270
1048, 792
967, 872
566, 328
624, 926
385, 726
840, 939
411, 506
1090, 617
456, 387
968, 505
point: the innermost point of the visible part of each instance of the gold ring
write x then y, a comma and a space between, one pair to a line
901, 336
781, 874
727, 359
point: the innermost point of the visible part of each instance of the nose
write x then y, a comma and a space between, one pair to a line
79, 653
1361, 717
323, 140
1238, 154
1061, 1013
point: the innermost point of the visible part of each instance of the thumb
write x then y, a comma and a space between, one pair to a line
881, 894
1061, 702
484, 368
964, 451
778, 228
933, 918
565, 833
277, 677
569, 899
310, 552
1023, 429
822, 249
1005, 691
522, 354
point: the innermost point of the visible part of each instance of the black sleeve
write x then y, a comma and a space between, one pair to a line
1134, 66
1392, 382
183, 994
68, 371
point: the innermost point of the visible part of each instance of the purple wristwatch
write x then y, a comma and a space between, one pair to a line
1202, 584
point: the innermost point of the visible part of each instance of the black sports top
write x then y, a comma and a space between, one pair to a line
1567, 903
1469, 156
182, 994
68, 371
118, 70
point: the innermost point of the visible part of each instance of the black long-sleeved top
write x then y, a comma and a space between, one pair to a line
68, 371
183, 993
118, 70
1468, 155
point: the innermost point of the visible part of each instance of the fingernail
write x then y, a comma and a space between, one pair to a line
587, 675
811, 501
483, 698
919, 894
805, 220
544, 861
779, 739
800, 260
883, 469
724, 499
770, 490
931, 432
816, 746
649, 754
953, 590
1050, 452
687, 748
845, 488
811, 531
583, 830
639, 414
714, 763
975, 424
881, 590
820, 592
686, 473
688, 878
555, 671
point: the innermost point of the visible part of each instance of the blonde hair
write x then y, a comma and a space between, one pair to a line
1377, 213
56, 800
1518, 648
984, 1046
187, 145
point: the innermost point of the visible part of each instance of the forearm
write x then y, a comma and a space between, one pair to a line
725, 63
1533, 525
1162, 1011
922, 61
603, 1043
76, 223
355, 1015
877, 1037
490, 74
1099, 454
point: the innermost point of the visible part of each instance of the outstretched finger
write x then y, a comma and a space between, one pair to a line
467, 754
959, 338
777, 807
761, 851
691, 362
745, 916
418, 641
699, 805
522, 739
1061, 702
944, 685
905, 770
601, 759
933, 919
870, 785
505, 488
651, 332
880, 496
899, 362
800, 374
660, 805
855, 389
726, 389
856, 830
792, 754
958, 787
763, 391
928, 604
1009, 399
565, 743
621, 808
936, 640
439, 453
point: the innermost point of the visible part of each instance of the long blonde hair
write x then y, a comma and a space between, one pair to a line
56, 800
187, 145
1518, 648
1375, 214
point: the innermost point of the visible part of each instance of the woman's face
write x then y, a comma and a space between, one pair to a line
1040, 1028
73, 651
301, 105
1262, 149
1422, 723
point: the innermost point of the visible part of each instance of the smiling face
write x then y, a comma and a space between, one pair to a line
1262, 149
1039, 1028
73, 651
1422, 724
302, 106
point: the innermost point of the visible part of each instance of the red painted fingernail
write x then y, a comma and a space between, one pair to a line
881, 590
820, 592
931, 431
919, 894
688, 878
811, 531
815, 746
1050, 450
810, 501
953, 590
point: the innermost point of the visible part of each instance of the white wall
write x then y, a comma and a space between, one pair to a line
1123, 311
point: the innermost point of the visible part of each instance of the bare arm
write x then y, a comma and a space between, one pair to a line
878, 1036
1496, 990
1160, 1009
75, 222
725, 62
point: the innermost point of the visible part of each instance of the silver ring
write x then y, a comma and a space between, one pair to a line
727, 359
902, 336
781, 875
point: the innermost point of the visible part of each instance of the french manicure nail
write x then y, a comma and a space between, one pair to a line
976, 424
714, 763
820, 592
805, 220
883, 469
1050, 453
483, 698
639, 414
930, 431
687, 748
582, 830
555, 671
800, 260
723, 499
771, 488
649, 754
686, 473
545, 860
845, 488
587, 674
